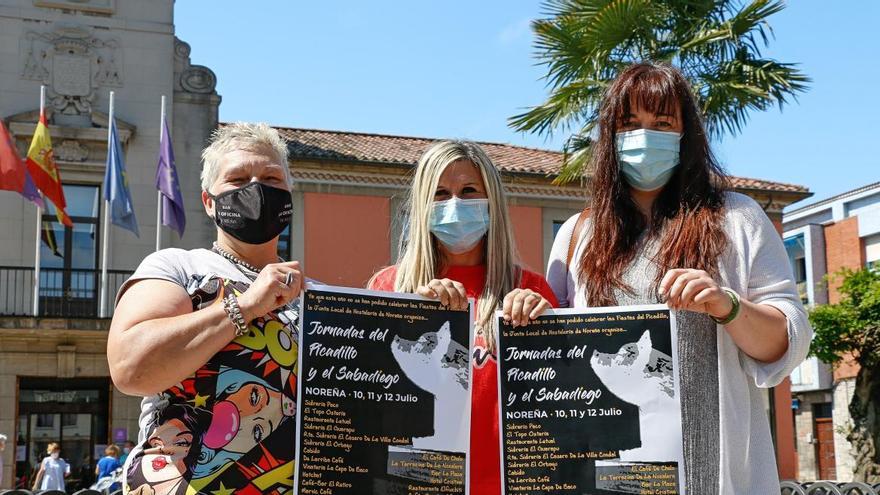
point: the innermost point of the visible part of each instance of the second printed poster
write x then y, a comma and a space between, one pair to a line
383, 396
589, 403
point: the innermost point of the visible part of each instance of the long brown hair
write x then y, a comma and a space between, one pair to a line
688, 213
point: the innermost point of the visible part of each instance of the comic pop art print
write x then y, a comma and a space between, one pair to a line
228, 427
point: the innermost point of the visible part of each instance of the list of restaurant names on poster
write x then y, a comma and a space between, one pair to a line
589, 403
384, 394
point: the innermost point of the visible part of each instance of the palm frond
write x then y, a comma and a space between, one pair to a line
565, 105
584, 44
737, 87
576, 155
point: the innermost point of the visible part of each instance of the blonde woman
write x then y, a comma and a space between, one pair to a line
461, 245
53, 470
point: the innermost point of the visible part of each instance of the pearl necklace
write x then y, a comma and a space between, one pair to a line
235, 260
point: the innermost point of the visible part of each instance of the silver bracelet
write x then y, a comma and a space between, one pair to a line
233, 311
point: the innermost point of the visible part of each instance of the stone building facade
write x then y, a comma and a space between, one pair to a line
54, 380
348, 195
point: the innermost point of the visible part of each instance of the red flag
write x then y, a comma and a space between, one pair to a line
13, 172
11, 166
41, 165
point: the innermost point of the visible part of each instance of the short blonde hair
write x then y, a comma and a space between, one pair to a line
241, 136
52, 447
112, 450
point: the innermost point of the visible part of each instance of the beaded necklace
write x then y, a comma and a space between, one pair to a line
239, 263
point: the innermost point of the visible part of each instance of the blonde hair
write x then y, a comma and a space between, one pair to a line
52, 447
419, 261
257, 137
112, 450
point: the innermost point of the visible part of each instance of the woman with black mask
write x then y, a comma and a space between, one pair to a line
215, 331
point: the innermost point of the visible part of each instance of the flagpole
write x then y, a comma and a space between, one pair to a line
39, 224
159, 193
105, 244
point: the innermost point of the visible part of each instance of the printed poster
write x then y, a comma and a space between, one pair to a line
384, 394
589, 403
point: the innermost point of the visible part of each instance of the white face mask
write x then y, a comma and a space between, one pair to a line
648, 158
460, 223
55, 455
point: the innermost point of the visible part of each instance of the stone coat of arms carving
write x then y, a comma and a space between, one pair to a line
72, 63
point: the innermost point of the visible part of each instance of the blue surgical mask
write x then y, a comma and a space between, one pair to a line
648, 158
460, 223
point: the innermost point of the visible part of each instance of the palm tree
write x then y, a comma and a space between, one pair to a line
716, 43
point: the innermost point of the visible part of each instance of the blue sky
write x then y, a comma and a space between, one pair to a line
461, 68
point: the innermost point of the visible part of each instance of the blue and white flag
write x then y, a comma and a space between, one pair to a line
116, 185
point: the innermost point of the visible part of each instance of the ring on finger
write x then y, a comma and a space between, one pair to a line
288, 278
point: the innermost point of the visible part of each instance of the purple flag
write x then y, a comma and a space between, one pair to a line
168, 184
30, 192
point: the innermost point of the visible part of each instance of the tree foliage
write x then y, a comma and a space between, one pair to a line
851, 326
717, 44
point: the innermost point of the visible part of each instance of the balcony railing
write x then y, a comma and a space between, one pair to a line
828, 488
64, 293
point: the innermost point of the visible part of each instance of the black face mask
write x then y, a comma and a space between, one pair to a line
255, 213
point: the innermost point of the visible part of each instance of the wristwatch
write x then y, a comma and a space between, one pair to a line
233, 311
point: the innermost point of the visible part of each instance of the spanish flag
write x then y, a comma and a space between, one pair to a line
41, 165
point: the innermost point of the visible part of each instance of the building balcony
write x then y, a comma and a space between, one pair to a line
64, 293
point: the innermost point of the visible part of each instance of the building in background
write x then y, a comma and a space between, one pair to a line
348, 192
821, 239
54, 381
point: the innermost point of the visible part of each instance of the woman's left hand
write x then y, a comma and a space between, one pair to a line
695, 290
522, 305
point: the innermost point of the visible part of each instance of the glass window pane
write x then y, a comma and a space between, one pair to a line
23, 468
52, 245
51, 282
45, 420
82, 201
84, 246
83, 285
45, 429
76, 441
41, 396
57, 257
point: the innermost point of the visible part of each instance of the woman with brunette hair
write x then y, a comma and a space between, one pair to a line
460, 244
663, 227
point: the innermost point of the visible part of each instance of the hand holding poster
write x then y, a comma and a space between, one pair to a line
589, 403
384, 394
